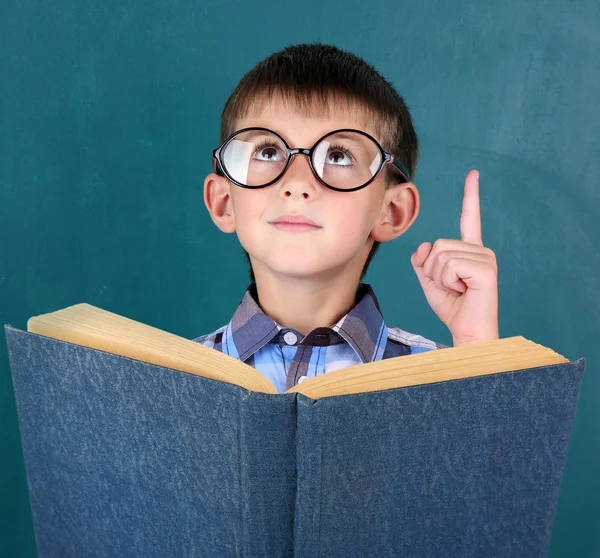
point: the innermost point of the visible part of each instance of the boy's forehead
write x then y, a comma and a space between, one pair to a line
304, 120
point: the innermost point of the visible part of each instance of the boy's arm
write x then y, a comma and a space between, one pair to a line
460, 277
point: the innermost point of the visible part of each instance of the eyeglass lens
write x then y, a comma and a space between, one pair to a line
343, 160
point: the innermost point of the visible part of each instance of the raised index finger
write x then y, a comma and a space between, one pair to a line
470, 219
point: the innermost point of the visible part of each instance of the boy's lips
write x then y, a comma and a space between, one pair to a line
296, 219
295, 223
295, 227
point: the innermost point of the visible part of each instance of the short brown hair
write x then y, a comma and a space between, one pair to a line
300, 73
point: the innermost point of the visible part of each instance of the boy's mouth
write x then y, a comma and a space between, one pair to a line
295, 227
294, 223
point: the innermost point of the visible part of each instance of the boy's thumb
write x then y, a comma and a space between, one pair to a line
418, 258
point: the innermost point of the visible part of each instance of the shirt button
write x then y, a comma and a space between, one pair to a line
302, 378
290, 338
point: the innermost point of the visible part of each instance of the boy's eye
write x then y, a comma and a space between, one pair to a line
268, 153
339, 156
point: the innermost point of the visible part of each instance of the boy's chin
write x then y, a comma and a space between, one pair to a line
313, 270
304, 264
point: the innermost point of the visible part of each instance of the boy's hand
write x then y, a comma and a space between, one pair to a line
460, 277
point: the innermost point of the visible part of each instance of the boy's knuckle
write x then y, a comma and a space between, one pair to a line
490, 253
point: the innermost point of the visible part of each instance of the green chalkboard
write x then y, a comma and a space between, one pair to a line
109, 112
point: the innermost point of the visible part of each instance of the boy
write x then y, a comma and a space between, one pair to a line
313, 173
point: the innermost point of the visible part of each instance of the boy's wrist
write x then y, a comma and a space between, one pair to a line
483, 338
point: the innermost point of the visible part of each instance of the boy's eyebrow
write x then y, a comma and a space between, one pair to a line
348, 136
257, 133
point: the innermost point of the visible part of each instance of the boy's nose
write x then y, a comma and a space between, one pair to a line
299, 177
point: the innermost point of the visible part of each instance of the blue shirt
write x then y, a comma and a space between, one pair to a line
287, 357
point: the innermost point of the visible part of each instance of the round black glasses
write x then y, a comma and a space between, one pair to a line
344, 160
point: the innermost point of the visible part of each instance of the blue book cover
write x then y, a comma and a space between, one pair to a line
128, 458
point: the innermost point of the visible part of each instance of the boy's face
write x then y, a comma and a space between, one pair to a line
349, 222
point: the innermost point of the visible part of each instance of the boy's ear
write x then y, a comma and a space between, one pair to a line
217, 198
399, 210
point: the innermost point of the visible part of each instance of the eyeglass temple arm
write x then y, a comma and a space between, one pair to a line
400, 167
216, 165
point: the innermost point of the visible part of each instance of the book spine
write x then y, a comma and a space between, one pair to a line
267, 473
307, 517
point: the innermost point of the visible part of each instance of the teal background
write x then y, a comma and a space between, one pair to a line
109, 112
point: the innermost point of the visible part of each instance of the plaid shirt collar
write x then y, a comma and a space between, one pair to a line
363, 328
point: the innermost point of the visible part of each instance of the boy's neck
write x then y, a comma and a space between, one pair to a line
305, 306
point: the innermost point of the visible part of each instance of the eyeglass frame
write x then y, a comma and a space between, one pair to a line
386, 158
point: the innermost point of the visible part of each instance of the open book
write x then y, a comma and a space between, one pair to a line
93, 327
141, 443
